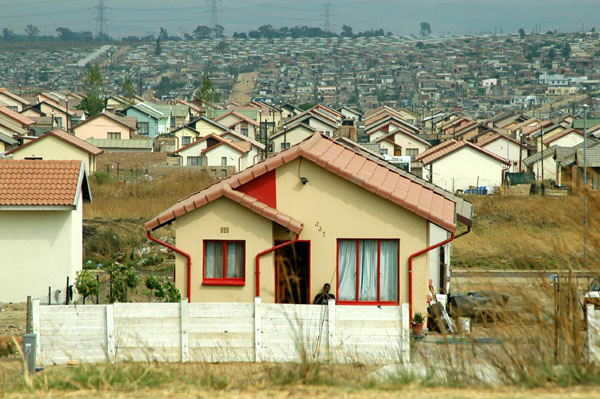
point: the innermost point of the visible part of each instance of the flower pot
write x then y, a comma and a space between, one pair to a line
417, 329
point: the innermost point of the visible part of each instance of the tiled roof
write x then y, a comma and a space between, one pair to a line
7, 139
592, 157
66, 137
548, 152
127, 121
450, 146
39, 183
12, 95
22, 119
125, 144
495, 136
241, 137
239, 116
346, 163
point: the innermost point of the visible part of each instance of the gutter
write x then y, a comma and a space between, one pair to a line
179, 251
421, 252
276, 247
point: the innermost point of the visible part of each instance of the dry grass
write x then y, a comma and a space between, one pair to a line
142, 199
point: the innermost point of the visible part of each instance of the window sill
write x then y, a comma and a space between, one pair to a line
218, 281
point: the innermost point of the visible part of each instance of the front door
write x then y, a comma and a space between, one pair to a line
397, 151
292, 273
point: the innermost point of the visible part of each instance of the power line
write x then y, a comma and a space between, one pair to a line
213, 13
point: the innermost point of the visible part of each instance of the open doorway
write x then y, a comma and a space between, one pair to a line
292, 273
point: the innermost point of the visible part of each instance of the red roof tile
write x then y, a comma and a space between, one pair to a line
39, 183
22, 119
336, 158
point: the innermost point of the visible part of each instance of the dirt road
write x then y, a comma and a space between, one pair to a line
242, 91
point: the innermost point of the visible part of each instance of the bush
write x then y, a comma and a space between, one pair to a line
100, 177
123, 278
86, 284
164, 290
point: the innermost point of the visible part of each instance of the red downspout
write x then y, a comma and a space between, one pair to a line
276, 247
410, 267
179, 251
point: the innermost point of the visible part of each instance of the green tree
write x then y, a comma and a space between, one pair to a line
32, 31
123, 277
93, 100
207, 92
129, 90
157, 49
425, 29
86, 284
522, 33
565, 51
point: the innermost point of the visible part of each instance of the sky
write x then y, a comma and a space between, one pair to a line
401, 17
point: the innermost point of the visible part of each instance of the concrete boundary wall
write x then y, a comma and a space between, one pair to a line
220, 332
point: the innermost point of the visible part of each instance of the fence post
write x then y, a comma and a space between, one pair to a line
331, 324
35, 325
592, 332
110, 333
183, 313
405, 333
257, 330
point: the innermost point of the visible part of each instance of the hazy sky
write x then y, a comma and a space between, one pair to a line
141, 17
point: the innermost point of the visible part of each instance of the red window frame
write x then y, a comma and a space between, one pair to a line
358, 301
236, 281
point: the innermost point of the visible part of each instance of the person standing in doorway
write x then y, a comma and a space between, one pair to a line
323, 296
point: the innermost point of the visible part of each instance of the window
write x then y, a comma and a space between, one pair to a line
224, 262
13, 108
194, 161
185, 140
383, 151
173, 121
114, 135
412, 153
367, 271
58, 121
223, 161
244, 130
143, 128
285, 146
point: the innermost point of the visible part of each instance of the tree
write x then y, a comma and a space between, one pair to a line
222, 46
123, 278
207, 93
8, 34
93, 100
347, 31
420, 45
157, 49
425, 29
129, 90
86, 284
218, 31
522, 33
565, 51
32, 31
202, 32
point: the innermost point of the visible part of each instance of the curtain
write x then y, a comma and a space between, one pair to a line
213, 259
367, 289
388, 267
235, 259
347, 270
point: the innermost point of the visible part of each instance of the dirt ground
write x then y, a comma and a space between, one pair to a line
242, 91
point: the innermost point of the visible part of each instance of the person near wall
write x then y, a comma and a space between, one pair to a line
323, 296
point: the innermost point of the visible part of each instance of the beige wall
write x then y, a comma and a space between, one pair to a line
41, 248
206, 128
205, 224
51, 148
187, 133
294, 136
99, 128
6, 100
45, 108
405, 142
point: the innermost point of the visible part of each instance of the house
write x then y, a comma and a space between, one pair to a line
402, 143
315, 120
7, 115
58, 145
106, 125
12, 101
290, 136
6, 143
148, 119
240, 123
505, 147
569, 165
61, 116
185, 135
460, 165
213, 150
544, 165
132, 145
328, 213
350, 113
205, 126
41, 226
566, 138
388, 125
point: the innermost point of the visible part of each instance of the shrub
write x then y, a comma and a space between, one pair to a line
86, 284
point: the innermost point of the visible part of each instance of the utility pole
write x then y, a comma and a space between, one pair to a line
542, 132
585, 220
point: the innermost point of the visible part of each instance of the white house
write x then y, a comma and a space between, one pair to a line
290, 136
460, 165
505, 147
41, 226
543, 165
213, 150
566, 138
401, 143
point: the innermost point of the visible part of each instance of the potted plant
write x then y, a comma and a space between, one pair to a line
417, 325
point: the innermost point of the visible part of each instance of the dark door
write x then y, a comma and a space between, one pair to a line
292, 273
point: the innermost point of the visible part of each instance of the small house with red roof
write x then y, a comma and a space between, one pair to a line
318, 212
240, 123
459, 165
58, 145
214, 150
41, 226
